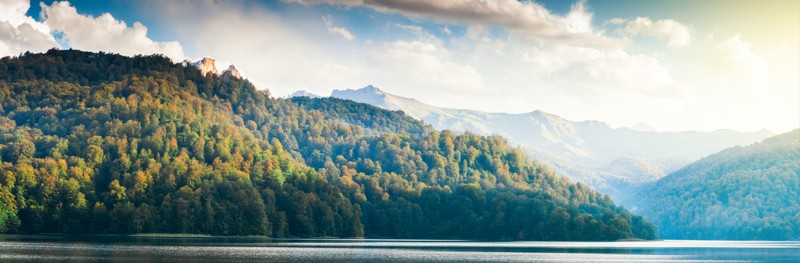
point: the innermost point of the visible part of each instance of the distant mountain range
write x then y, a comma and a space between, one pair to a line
750, 192
592, 152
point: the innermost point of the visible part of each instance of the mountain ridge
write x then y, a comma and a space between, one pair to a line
742, 192
590, 144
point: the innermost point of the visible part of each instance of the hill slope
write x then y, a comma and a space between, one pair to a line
750, 192
102, 143
609, 159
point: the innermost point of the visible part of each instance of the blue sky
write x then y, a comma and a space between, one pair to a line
675, 65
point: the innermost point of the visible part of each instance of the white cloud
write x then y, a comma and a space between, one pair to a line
676, 34
275, 52
725, 68
422, 65
338, 2
104, 33
738, 87
13, 12
615, 21
527, 17
518, 74
739, 57
578, 20
341, 31
576, 82
446, 30
416, 30
620, 71
19, 32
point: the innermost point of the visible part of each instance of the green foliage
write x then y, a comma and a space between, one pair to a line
101, 143
87, 150
374, 120
742, 193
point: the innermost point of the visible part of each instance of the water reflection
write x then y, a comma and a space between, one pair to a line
214, 249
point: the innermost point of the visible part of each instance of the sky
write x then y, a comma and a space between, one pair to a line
674, 65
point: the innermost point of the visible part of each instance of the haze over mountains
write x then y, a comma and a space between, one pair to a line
606, 158
740, 193
750, 192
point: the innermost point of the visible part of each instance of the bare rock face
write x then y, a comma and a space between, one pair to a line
206, 65
231, 72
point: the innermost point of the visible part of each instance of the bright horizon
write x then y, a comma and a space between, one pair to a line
674, 65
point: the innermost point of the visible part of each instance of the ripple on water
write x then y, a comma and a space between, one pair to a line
26, 249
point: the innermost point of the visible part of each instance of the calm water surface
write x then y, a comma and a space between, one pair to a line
214, 249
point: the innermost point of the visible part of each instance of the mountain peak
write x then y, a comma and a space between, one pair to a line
206, 65
232, 72
366, 92
369, 94
370, 88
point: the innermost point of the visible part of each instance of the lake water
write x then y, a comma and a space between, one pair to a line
215, 249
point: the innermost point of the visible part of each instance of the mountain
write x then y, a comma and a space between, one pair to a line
206, 65
750, 192
635, 169
303, 93
587, 143
96, 143
592, 148
231, 71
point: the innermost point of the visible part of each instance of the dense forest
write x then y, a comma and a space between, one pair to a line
95, 143
741, 193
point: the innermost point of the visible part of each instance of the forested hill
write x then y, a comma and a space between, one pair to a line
96, 143
744, 193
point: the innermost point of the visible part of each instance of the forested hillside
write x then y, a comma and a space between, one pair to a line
102, 143
745, 193
615, 161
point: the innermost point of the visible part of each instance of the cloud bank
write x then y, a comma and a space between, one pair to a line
19, 32
341, 31
528, 18
676, 34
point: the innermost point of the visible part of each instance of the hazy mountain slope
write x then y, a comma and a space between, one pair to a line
101, 143
750, 192
590, 146
588, 143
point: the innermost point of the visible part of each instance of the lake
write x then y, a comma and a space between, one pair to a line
16, 248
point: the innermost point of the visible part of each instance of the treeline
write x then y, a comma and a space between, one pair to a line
374, 120
741, 193
152, 146
144, 154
